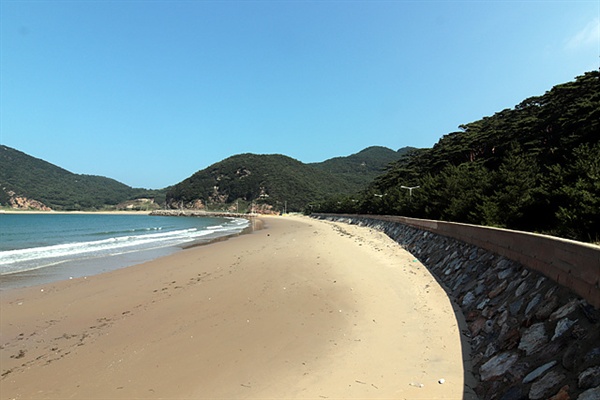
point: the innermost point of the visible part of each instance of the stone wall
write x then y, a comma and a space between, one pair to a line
531, 337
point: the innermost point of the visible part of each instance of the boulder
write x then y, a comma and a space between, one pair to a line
497, 365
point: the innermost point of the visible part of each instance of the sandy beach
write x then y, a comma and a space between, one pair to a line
300, 309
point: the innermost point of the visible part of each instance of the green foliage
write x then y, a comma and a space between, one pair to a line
579, 191
279, 181
361, 168
60, 189
535, 167
264, 179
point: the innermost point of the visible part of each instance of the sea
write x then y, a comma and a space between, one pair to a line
43, 248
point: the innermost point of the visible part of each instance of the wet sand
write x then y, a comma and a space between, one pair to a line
300, 309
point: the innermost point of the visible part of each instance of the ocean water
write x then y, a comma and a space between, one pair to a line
40, 248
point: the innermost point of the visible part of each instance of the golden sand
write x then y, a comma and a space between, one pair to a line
300, 309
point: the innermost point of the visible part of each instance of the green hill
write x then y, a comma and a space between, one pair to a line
23, 176
277, 182
535, 167
270, 181
361, 168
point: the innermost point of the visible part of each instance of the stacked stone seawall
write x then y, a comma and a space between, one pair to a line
530, 301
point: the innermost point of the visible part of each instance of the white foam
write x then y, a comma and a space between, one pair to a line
13, 261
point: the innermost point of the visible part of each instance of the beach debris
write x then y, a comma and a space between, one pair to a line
441, 381
416, 384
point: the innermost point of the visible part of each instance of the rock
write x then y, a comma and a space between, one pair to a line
513, 284
521, 289
547, 308
498, 289
543, 387
472, 315
502, 318
468, 299
505, 273
23, 203
510, 340
591, 394
589, 378
552, 349
515, 306
479, 289
533, 339
590, 313
571, 357
562, 326
497, 365
503, 263
539, 282
477, 326
518, 371
490, 350
564, 310
550, 292
532, 304
563, 394
482, 305
593, 355
536, 373
473, 254
488, 312
514, 393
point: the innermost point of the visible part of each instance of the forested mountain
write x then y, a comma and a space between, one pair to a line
27, 179
535, 167
268, 181
361, 168
277, 182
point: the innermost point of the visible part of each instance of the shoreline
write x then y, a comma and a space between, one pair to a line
124, 212
72, 269
300, 309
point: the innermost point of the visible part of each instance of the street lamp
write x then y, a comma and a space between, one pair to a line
410, 189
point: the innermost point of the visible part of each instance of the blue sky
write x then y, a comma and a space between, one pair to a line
149, 92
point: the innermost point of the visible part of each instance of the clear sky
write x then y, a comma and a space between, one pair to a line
149, 92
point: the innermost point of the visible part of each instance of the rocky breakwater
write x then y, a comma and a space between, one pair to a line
530, 337
197, 213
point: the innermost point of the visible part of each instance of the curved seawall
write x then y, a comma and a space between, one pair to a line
531, 303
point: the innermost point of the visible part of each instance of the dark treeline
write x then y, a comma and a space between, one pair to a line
535, 168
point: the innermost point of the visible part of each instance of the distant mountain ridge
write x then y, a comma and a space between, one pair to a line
29, 182
275, 183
